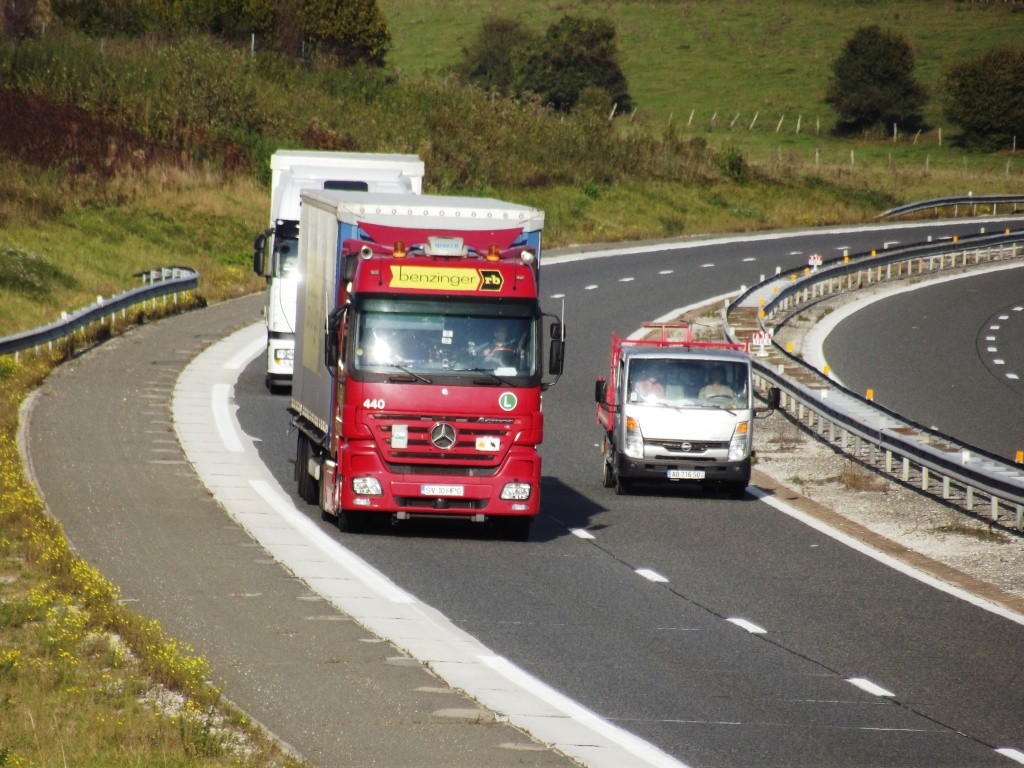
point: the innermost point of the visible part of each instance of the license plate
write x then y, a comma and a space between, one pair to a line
442, 490
686, 474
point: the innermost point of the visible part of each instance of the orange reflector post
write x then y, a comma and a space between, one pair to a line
870, 395
1020, 457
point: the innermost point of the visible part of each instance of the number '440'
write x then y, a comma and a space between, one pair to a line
377, 403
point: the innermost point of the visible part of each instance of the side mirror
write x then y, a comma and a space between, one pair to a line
331, 349
599, 389
556, 357
259, 247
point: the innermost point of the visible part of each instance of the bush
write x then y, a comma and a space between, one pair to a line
873, 83
577, 53
985, 97
495, 61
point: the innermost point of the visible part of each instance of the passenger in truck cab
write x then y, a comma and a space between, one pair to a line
649, 387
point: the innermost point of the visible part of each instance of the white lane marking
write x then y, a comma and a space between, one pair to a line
1014, 754
992, 349
705, 266
892, 562
869, 687
1013, 376
580, 533
626, 279
238, 361
1019, 309
998, 361
750, 258
348, 560
590, 288
750, 626
994, 327
641, 749
650, 575
558, 296
220, 402
665, 272
795, 253
1004, 317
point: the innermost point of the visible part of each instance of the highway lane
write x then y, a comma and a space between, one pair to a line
662, 658
966, 365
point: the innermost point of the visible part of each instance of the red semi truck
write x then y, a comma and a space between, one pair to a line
418, 371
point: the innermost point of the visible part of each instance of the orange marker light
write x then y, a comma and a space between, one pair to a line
398, 249
493, 253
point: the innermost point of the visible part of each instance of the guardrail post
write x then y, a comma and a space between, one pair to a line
994, 511
888, 460
945, 487
924, 478
969, 498
1020, 516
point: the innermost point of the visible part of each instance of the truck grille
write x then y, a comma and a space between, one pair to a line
468, 441
688, 447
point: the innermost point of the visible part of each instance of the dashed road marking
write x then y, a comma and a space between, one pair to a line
650, 575
750, 626
869, 687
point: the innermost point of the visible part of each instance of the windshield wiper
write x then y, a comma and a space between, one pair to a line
406, 371
496, 377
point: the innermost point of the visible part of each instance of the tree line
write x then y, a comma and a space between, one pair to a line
572, 65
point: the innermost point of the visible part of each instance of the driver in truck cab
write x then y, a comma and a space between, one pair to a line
716, 386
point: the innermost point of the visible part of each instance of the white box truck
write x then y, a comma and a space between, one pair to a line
678, 411
276, 252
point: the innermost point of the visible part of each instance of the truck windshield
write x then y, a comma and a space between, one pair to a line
431, 338
688, 383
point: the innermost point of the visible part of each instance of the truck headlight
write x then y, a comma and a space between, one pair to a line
515, 492
739, 446
634, 447
366, 486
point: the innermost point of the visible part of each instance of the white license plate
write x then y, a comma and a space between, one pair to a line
442, 490
686, 474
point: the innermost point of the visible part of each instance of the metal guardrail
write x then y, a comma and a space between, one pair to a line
157, 283
1016, 203
872, 433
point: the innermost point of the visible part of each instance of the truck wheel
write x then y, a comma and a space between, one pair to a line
607, 473
514, 528
309, 489
622, 485
355, 522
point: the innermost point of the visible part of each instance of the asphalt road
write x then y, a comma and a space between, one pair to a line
661, 658
962, 362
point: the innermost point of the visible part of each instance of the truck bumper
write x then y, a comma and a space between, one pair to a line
657, 471
280, 358
449, 493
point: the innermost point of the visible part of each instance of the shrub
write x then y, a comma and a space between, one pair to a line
985, 97
495, 60
577, 53
873, 84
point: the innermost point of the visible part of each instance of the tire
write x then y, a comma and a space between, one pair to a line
737, 491
309, 489
622, 485
355, 522
514, 528
607, 473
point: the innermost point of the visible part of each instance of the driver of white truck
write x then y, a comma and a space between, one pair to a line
716, 386
649, 386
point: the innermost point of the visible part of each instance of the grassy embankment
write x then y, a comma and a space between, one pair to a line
124, 156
